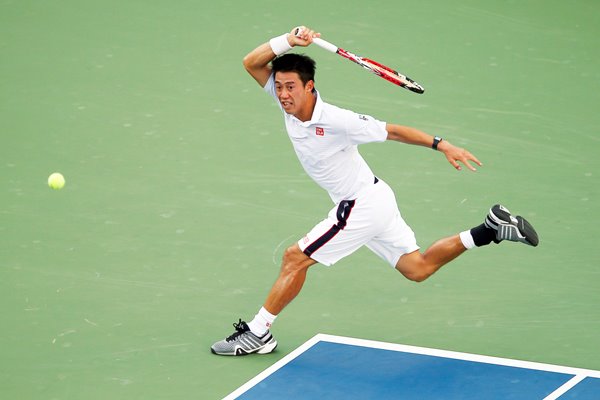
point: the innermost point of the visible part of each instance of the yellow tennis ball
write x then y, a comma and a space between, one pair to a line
56, 181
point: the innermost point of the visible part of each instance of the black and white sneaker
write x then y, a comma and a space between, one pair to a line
507, 227
244, 342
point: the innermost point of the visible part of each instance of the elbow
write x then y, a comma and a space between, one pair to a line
245, 63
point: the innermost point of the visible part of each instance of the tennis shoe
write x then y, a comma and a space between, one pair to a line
509, 227
244, 342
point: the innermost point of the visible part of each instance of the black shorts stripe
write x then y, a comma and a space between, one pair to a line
343, 213
317, 244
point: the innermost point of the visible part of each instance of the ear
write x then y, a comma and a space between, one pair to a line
309, 87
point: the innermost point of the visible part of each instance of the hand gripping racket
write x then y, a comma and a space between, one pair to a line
378, 69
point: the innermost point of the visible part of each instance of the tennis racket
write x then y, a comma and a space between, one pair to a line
378, 69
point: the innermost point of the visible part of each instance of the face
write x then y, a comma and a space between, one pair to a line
295, 97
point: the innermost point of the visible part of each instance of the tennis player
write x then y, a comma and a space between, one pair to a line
325, 139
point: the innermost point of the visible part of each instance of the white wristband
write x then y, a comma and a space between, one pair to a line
280, 44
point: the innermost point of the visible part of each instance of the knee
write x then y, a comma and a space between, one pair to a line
294, 260
290, 255
417, 276
415, 269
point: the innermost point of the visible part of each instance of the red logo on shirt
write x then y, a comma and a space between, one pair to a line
320, 131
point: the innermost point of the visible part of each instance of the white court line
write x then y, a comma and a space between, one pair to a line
459, 356
579, 374
565, 388
273, 368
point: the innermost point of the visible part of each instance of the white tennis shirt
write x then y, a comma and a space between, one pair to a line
327, 146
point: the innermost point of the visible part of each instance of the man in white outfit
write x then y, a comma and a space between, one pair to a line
325, 139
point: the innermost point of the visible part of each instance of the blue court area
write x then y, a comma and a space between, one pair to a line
332, 367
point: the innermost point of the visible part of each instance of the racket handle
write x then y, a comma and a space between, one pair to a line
324, 44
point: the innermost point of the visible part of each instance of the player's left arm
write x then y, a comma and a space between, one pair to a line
454, 154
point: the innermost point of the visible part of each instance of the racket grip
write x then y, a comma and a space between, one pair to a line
324, 44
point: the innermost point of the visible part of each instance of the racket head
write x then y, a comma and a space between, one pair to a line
393, 76
384, 72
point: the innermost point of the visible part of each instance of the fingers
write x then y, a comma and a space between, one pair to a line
472, 168
470, 157
455, 164
473, 158
303, 36
465, 158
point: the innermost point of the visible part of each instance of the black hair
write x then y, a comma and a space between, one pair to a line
302, 64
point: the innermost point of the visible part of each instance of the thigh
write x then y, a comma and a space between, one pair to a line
394, 242
335, 237
396, 238
349, 226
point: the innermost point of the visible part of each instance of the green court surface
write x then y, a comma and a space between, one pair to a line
183, 189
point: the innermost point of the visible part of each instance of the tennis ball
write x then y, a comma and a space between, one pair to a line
56, 181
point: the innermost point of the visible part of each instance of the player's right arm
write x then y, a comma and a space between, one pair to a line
257, 62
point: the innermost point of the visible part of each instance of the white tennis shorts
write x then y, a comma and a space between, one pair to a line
372, 220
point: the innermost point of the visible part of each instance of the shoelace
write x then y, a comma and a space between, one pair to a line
240, 328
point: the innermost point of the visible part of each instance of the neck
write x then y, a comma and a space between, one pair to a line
307, 111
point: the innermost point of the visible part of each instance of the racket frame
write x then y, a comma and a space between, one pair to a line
375, 67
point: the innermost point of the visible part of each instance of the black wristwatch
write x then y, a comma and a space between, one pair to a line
436, 141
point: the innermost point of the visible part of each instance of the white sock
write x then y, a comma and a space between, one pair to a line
261, 322
467, 239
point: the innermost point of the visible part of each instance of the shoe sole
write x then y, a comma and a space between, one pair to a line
499, 215
266, 349
526, 229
